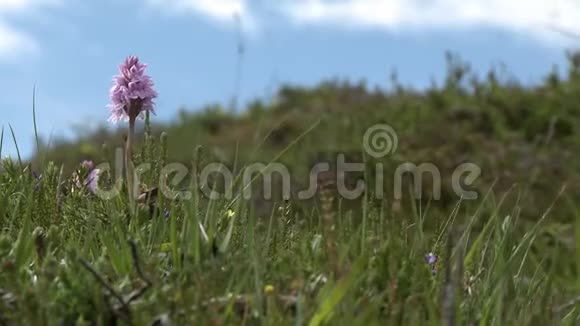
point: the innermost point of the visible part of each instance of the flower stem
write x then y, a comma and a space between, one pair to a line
129, 167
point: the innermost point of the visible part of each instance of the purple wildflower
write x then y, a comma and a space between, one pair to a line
37, 176
91, 177
89, 165
132, 92
167, 213
431, 259
92, 180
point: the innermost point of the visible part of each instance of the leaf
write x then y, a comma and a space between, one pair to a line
338, 293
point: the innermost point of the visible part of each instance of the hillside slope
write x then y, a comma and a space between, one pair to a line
518, 135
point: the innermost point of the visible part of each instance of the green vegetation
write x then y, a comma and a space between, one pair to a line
518, 135
68, 257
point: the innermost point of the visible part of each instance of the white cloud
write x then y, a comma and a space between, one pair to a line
544, 20
13, 41
222, 11
532, 17
6, 5
11, 5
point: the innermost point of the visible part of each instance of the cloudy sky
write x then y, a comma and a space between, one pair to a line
70, 49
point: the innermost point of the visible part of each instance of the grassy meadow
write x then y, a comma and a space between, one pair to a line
508, 257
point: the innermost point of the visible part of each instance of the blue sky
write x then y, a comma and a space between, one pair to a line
70, 49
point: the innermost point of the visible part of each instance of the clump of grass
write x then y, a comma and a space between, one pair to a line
73, 258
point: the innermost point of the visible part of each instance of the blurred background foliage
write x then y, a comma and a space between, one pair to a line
524, 138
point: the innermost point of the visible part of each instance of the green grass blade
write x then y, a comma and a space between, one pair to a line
1, 141
16, 145
229, 233
36, 138
23, 248
34, 118
173, 238
338, 293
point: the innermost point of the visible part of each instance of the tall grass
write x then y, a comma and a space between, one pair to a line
70, 258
